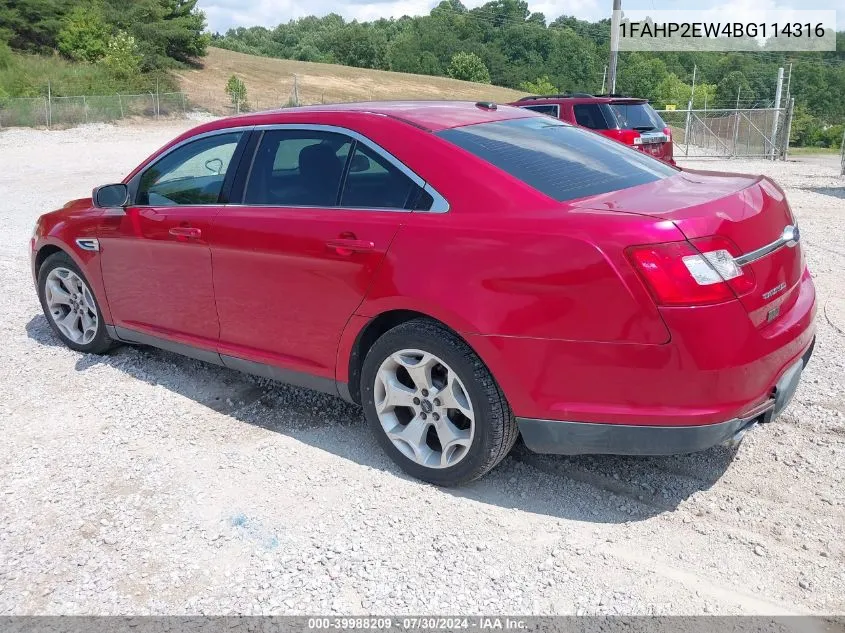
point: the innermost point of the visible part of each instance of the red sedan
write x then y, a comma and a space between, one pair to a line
465, 272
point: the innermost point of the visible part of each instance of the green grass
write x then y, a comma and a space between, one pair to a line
813, 150
81, 93
29, 76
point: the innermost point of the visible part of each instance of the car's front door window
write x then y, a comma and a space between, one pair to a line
190, 175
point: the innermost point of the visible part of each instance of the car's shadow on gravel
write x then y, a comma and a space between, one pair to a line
834, 192
599, 489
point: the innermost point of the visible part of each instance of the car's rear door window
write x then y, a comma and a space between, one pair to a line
590, 115
562, 161
192, 174
549, 109
374, 183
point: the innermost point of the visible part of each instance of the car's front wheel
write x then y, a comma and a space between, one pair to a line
434, 406
70, 306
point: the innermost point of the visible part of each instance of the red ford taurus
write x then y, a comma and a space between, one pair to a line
465, 272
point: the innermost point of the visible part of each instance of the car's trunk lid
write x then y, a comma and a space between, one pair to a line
750, 211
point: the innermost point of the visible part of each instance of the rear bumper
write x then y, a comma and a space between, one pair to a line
718, 367
577, 438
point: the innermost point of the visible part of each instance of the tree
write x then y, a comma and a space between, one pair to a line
359, 46
542, 86
167, 32
469, 67
236, 89
640, 75
122, 58
33, 25
516, 46
574, 62
5, 56
734, 86
84, 36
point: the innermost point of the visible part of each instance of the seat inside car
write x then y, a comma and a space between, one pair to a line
319, 172
314, 182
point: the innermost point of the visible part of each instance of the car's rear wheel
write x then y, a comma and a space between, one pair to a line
70, 306
434, 406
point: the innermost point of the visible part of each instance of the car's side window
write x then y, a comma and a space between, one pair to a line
373, 182
314, 168
590, 115
297, 168
550, 110
189, 175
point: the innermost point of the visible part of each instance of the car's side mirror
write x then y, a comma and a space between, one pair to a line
111, 196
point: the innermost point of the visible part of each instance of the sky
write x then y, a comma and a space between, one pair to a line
226, 14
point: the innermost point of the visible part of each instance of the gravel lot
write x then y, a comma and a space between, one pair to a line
144, 482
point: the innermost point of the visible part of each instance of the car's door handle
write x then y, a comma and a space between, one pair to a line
345, 246
185, 231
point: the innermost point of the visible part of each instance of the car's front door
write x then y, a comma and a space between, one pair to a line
156, 260
293, 262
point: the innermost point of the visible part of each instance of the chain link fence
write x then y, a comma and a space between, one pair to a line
714, 133
842, 156
728, 133
51, 111
69, 111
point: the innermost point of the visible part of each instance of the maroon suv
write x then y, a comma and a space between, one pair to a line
625, 119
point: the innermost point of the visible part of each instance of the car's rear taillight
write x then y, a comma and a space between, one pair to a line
668, 132
699, 272
630, 137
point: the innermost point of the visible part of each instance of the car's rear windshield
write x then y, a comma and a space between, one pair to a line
562, 161
636, 116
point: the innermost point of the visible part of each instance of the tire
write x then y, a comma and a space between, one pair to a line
59, 267
492, 429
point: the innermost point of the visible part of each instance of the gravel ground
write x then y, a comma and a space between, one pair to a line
144, 482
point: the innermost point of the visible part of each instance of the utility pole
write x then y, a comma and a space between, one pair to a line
736, 119
778, 91
689, 107
614, 42
788, 83
842, 151
788, 132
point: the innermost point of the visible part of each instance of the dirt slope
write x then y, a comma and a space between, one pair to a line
270, 83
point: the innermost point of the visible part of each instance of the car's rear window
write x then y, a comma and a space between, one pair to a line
562, 161
636, 116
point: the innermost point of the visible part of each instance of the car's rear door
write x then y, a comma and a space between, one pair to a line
156, 261
319, 210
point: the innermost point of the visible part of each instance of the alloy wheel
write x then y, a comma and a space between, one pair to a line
71, 305
424, 408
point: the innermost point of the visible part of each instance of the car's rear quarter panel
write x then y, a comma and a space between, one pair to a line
531, 276
545, 306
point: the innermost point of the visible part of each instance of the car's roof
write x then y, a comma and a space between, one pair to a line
540, 100
429, 115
